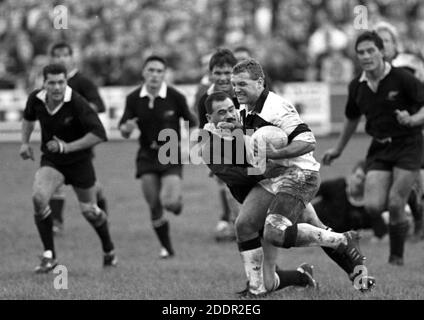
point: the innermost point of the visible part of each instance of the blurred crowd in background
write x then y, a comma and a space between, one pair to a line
295, 40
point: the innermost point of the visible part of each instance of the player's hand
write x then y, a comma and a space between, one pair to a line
329, 156
128, 127
225, 125
56, 145
26, 152
269, 151
404, 118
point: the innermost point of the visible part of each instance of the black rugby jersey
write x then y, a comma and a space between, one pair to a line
399, 89
86, 88
70, 122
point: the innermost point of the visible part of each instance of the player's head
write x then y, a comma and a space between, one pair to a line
154, 68
248, 81
389, 35
62, 53
242, 53
220, 108
55, 81
356, 179
220, 66
369, 49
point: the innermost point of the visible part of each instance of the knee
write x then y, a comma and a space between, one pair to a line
374, 208
396, 203
173, 205
245, 227
93, 214
40, 202
280, 231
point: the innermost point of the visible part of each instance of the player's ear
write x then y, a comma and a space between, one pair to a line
208, 116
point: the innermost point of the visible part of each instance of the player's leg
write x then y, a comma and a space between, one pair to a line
224, 230
97, 218
248, 223
376, 190
403, 181
57, 205
46, 181
101, 198
415, 204
277, 279
151, 186
170, 194
82, 177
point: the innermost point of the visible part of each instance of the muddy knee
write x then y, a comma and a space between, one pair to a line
280, 231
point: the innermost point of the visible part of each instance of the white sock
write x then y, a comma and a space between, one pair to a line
309, 235
48, 254
253, 266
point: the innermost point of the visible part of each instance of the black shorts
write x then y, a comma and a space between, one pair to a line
147, 162
80, 174
402, 152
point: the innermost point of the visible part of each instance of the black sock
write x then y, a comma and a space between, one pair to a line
226, 208
398, 234
57, 205
291, 278
45, 229
104, 235
162, 233
339, 259
379, 226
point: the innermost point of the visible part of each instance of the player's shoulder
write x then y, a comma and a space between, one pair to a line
174, 92
33, 94
134, 93
403, 74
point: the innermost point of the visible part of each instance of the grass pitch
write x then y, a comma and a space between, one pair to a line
202, 268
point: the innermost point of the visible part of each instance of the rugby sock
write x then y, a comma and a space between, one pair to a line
44, 223
57, 205
161, 227
338, 258
252, 256
104, 235
379, 226
397, 233
309, 235
287, 278
226, 208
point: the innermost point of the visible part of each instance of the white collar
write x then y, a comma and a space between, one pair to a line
387, 68
162, 91
42, 95
211, 90
72, 73
226, 134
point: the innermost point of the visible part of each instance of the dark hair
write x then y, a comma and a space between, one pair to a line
370, 36
155, 58
53, 68
221, 57
215, 96
61, 45
252, 67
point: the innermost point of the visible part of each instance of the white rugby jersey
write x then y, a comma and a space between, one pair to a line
271, 109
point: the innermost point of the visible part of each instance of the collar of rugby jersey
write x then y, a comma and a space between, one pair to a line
72, 73
259, 103
42, 95
161, 93
364, 77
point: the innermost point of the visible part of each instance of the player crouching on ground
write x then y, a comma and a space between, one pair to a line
69, 128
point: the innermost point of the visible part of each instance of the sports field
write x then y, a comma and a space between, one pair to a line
202, 268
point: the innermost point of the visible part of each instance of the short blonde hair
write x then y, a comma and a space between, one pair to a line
385, 26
